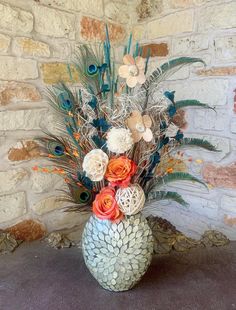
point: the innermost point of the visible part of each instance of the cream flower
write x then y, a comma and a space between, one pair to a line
95, 164
133, 70
119, 140
140, 125
171, 131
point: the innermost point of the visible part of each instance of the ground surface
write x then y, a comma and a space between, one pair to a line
37, 277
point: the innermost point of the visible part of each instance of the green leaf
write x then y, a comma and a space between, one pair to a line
176, 63
162, 195
177, 176
191, 103
198, 142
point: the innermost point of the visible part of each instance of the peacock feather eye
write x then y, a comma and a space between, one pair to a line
81, 195
67, 105
85, 196
59, 150
92, 69
56, 149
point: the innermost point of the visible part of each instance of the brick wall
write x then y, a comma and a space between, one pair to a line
37, 38
206, 29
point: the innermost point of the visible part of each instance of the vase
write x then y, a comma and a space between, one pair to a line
117, 254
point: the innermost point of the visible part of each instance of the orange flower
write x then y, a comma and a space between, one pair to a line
120, 170
105, 206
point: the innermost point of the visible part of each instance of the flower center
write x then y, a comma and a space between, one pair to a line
140, 127
133, 70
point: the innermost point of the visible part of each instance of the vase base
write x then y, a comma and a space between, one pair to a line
117, 254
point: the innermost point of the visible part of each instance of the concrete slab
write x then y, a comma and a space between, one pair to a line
37, 277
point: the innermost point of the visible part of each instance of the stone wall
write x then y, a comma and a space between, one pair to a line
206, 29
37, 39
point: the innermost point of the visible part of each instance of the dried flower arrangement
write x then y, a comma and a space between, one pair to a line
116, 131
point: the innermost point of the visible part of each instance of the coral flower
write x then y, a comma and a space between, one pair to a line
133, 70
105, 206
120, 171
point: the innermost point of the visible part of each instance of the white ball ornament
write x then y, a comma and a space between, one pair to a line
130, 199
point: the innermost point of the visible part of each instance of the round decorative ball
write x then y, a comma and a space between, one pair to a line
130, 199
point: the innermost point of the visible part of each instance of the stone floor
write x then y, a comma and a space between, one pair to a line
37, 277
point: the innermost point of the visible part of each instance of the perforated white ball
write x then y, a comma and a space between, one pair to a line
130, 199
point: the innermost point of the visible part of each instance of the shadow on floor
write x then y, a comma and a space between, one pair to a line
37, 277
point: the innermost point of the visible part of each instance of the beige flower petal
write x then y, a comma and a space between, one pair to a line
134, 119
128, 60
123, 71
141, 78
140, 62
136, 113
137, 136
147, 135
147, 121
132, 81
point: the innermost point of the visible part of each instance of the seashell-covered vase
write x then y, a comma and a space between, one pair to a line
117, 254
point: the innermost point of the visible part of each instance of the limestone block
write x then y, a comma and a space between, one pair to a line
11, 178
188, 45
47, 205
12, 68
91, 7
21, 119
29, 47
217, 17
45, 182
51, 22
4, 42
228, 204
12, 206
118, 12
210, 120
210, 91
171, 25
93, 29
28, 230
225, 48
15, 20
24, 150
11, 92
221, 176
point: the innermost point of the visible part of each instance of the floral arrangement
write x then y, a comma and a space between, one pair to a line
116, 130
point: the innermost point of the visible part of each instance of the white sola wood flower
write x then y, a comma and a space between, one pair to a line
119, 140
95, 164
133, 70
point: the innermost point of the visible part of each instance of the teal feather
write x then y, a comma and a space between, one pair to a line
191, 103
176, 176
198, 143
162, 195
168, 67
